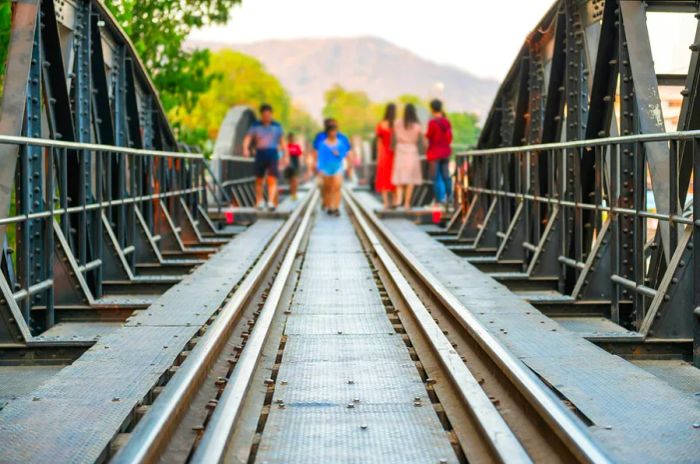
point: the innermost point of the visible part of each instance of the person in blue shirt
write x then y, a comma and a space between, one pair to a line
321, 136
331, 149
266, 136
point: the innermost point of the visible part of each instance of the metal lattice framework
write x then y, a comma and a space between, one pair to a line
97, 202
566, 206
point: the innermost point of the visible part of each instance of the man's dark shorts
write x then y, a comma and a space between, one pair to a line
295, 164
266, 162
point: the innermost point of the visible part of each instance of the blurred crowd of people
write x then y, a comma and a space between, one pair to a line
266, 140
400, 143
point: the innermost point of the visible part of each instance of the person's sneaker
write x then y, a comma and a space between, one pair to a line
261, 205
271, 208
336, 212
329, 212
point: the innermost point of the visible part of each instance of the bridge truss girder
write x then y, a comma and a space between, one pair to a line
83, 215
586, 72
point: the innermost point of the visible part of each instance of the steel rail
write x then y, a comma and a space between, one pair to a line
567, 427
501, 439
590, 143
153, 431
212, 446
49, 143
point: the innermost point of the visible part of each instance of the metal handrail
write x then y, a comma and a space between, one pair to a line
100, 205
674, 218
50, 143
244, 159
618, 140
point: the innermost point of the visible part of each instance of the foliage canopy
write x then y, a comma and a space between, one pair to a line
353, 110
358, 115
158, 29
237, 79
5, 19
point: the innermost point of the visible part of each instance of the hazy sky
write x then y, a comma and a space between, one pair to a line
447, 31
479, 36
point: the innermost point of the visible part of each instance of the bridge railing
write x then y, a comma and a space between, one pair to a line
525, 205
236, 180
68, 243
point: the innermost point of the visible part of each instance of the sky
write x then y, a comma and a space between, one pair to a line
478, 36
446, 31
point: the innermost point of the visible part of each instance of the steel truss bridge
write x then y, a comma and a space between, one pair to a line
149, 313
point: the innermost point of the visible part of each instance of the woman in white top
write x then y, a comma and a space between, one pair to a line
407, 171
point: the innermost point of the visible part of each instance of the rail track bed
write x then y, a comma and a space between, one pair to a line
335, 341
335, 354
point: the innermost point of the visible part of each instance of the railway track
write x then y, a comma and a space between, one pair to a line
433, 386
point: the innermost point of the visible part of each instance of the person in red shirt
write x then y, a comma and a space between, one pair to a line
385, 155
294, 164
439, 137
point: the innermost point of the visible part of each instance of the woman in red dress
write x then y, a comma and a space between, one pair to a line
385, 155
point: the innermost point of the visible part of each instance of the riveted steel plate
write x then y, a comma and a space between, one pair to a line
338, 296
317, 280
127, 301
593, 326
341, 347
315, 324
349, 348
16, 381
74, 415
638, 416
78, 331
158, 279
338, 292
341, 269
545, 296
326, 261
393, 433
679, 374
191, 261
339, 383
193, 301
340, 308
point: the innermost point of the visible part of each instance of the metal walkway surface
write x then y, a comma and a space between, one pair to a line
639, 417
347, 385
72, 417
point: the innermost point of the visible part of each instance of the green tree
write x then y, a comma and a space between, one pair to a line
158, 28
465, 128
235, 79
301, 122
5, 20
410, 98
353, 110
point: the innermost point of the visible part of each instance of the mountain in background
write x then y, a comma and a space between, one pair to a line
309, 67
